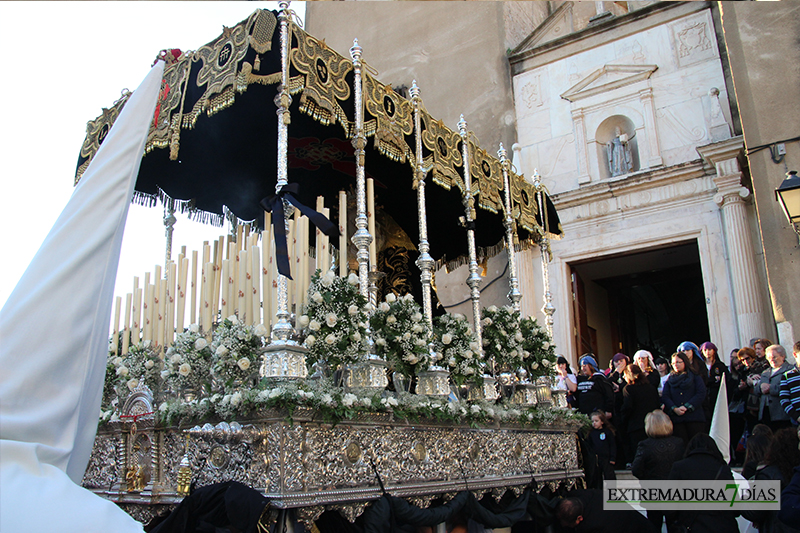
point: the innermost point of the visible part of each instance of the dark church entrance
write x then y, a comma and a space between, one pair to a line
651, 300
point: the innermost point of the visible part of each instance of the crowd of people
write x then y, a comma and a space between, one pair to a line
653, 416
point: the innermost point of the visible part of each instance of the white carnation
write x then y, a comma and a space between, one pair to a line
200, 343
184, 369
243, 363
391, 298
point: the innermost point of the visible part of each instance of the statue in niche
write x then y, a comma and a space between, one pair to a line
620, 157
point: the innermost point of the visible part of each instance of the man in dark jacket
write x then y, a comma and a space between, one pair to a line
582, 511
703, 461
594, 390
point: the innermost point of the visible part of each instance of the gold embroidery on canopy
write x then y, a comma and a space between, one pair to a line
97, 130
487, 173
325, 84
447, 161
394, 117
523, 203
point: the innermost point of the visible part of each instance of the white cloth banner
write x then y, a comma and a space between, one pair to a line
54, 343
720, 424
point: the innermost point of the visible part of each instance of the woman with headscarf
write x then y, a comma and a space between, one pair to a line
683, 397
696, 361
644, 360
703, 461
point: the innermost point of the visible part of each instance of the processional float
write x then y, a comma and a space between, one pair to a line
211, 152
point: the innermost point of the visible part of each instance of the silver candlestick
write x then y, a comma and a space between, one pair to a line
511, 229
362, 237
283, 358
544, 247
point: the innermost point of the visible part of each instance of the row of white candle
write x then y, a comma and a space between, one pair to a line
244, 284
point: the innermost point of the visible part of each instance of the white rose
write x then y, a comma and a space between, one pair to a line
546, 363
132, 384
328, 278
412, 359
147, 344
487, 321
149, 364
317, 297
163, 407
514, 353
330, 339
546, 345
194, 328
200, 343
366, 402
349, 399
519, 337
165, 374
357, 336
492, 308
233, 319
535, 365
117, 361
176, 359
222, 350
474, 346
368, 307
408, 297
243, 363
274, 393
310, 340
417, 328
384, 307
261, 330
420, 341
469, 371
352, 279
380, 341
184, 369
459, 316
302, 321
330, 319
475, 409
406, 336
326, 398
526, 354
447, 339
391, 298
352, 310
468, 354
314, 325
122, 371
451, 361
391, 319
416, 317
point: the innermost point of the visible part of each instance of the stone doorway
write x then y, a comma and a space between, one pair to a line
651, 300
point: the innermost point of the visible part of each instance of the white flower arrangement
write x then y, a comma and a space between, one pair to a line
401, 335
457, 349
235, 346
123, 373
187, 362
500, 340
335, 319
542, 358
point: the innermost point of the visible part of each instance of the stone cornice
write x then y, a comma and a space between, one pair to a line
595, 35
629, 183
723, 156
584, 88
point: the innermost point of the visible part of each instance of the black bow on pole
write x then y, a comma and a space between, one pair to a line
274, 204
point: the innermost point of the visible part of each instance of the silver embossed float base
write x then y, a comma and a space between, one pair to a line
525, 394
433, 382
283, 361
488, 391
367, 375
315, 466
559, 398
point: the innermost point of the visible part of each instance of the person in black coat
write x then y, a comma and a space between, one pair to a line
703, 461
717, 371
683, 397
639, 398
604, 445
594, 390
656, 455
582, 511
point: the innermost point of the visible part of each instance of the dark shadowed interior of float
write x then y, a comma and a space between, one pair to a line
212, 152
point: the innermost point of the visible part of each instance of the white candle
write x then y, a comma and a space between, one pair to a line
172, 275
224, 288
126, 330
273, 282
304, 266
136, 313
207, 292
326, 244
290, 245
193, 302
147, 309
255, 282
219, 249
248, 287
181, 292
241, 302
343, 234
373, 247
161, 310
115, 334
265, 283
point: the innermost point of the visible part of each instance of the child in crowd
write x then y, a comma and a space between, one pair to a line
603, 444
